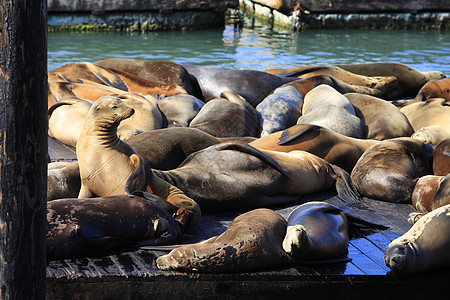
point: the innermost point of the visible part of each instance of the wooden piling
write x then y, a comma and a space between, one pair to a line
23, 148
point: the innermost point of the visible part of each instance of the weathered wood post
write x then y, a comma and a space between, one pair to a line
23, 148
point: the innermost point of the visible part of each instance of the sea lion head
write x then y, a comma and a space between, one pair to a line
400, 256
109, 111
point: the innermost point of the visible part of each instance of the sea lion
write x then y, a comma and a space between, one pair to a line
389, 170
165, 72
167, 148
326, 107
424, 247
253, 85
66, 119
441, 158
319, 231
431, 192
304, 85
382, 120
251, 242
109, 166
228, 116
335, 148
409, 80
381, 83
434, 89
429, 120
89, 226
280, 110
63, 180
179, 110
80, 71
235, 176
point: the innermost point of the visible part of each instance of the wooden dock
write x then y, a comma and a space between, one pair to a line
132, 273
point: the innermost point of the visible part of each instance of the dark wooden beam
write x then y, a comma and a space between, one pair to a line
23, 148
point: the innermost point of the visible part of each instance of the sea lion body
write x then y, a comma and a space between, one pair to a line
429, 120
235, 176
280, 110
89, 226
409, 80
251, 242
441, 158
389, 170
179, 110
253, 85
63, 180
326, 107
316, 231
335, 148
424, 247
431, 192
382, 120
227, 116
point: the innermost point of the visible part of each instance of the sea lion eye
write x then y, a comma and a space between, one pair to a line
114, 107
446, 90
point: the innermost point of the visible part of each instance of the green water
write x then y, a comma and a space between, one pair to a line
258, 47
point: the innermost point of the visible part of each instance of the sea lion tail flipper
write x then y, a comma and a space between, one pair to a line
345, 188
287, 136
246, 148
118, 83
299, 71
359, 222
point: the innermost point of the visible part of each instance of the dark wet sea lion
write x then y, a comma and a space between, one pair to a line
89, 226
389, 170
251, 242
63, 180
253, 85
179, 110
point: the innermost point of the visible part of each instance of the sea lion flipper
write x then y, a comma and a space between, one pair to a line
345, 188
54, 106
286, 135
246, 148
354, 220
296, 72
138, 179
117, 83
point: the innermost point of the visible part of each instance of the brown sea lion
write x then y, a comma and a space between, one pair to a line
389, 170
424, 247
409, 80
280, 110
228, 116
63, 180
179, 110
435, 89
431, 192
381, 83
382, 120
80, 71
429, 120
66, 119
441, 158
326, 107
165, 72
335, 148
236, 176
109, 166
253, 85
304, 85
89, 226
251, 242
319, 231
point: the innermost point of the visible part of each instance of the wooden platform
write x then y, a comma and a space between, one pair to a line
132, 273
